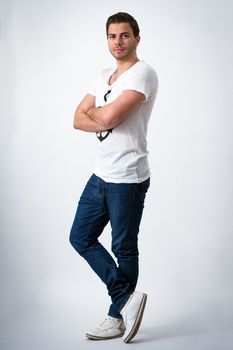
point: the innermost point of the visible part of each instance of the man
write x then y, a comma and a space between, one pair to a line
117, 108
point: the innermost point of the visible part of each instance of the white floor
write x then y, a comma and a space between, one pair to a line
63, 328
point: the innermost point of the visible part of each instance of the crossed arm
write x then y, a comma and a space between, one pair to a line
89, 118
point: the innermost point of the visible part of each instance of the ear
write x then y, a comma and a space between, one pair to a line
138, 39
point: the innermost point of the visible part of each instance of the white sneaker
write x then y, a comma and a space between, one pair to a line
109, 329
132, 314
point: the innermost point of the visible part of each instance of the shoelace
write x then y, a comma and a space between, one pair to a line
109, 321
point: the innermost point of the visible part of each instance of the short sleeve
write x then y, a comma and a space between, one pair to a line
144, 80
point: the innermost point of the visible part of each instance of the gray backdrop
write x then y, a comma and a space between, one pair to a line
50, 52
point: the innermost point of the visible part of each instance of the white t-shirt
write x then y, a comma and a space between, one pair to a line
122, 155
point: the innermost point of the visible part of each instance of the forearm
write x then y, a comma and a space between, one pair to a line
113, 113
100, 116
84, 122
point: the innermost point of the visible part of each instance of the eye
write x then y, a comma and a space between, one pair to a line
111, 36
125, 36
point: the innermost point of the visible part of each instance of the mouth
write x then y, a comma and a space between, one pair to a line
118, 50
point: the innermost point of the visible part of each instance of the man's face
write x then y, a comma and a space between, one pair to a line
121, 41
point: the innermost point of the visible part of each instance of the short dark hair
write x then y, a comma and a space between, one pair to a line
123, 17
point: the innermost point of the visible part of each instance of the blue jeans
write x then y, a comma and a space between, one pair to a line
121, 204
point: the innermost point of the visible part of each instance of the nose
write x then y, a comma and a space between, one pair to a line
118, 41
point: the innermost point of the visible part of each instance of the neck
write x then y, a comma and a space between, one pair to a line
122, 66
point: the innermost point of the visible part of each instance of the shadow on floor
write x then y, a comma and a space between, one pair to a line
180, 328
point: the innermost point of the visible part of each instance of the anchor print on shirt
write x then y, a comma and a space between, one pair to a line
102, 135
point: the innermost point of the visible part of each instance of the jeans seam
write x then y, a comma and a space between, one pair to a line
132, 210
96, 217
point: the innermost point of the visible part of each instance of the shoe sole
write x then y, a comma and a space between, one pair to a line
138, 320
95, 337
